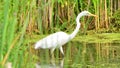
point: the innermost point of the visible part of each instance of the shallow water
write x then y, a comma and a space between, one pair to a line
82, 55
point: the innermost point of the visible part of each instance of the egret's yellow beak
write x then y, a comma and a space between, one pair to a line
93, 15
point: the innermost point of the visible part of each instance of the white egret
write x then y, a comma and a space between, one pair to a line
58, 39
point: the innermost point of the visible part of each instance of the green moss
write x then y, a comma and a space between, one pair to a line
99, 38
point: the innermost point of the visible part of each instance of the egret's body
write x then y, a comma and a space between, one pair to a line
53, 41
58, 39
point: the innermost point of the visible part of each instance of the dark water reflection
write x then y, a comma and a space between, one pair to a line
83, 55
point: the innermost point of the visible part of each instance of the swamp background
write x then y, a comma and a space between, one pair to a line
23, 22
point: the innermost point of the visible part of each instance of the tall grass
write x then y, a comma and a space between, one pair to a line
13, 37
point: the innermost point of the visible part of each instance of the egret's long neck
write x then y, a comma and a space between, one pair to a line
77, 27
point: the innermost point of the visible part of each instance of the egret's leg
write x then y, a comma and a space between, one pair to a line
52, 50
52, 54
61, 49
61, 63
53, 61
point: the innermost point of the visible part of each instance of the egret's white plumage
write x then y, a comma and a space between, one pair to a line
56, 40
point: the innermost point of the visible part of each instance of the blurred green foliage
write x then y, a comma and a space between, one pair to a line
115, 23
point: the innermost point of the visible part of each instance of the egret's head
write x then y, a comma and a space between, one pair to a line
86, 13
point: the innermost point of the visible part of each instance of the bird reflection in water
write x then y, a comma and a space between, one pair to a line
53, 64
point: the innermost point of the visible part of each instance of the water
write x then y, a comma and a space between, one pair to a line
82, 55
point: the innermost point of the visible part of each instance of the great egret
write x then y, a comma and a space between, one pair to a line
58, 39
